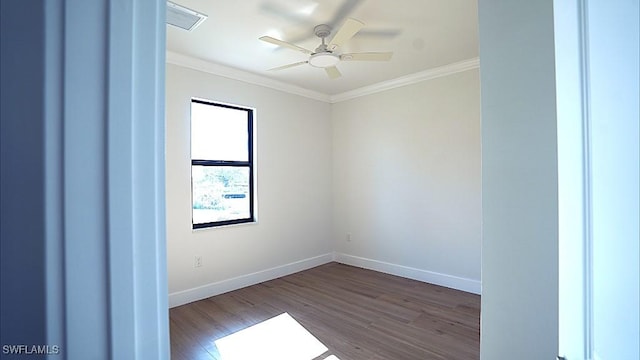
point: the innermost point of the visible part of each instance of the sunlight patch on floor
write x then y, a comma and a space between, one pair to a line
281, 338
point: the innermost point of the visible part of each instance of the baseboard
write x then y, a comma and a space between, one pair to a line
202, 292
453, 282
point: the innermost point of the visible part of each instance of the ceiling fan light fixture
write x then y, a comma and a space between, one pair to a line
324, 60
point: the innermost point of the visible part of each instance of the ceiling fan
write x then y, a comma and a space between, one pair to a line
325, 56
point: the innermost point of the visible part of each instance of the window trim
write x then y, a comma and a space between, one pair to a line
250, 164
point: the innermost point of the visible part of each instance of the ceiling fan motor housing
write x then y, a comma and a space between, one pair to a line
322, 31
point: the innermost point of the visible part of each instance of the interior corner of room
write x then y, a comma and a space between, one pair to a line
388, 181
379, 168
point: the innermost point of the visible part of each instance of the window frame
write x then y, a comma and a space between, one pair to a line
226, 163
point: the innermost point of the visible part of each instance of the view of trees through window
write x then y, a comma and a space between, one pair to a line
221, 164
220, 193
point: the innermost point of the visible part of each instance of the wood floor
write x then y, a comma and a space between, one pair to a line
356, 313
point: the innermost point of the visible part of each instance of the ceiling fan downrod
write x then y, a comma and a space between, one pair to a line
322, 31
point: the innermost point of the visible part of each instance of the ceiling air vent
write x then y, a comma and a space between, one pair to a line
183, 17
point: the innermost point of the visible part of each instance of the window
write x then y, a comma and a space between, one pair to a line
221, 164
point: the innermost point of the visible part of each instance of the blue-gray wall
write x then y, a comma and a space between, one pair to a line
22, 180
83, 222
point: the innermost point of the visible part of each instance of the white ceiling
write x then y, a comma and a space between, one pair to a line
423, 34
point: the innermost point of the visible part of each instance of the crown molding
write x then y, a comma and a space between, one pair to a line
251, 78
241, 75
425, 75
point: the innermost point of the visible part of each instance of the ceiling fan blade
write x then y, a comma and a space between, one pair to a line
288, 66
380, 33
275, 41
333, 72
368, 56
346, 32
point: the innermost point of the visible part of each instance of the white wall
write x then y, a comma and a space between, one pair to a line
293, 189
406, 180
519, 317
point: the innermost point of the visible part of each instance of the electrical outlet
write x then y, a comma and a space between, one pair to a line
197, 262
348, 237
